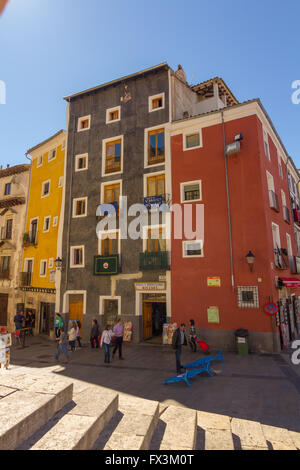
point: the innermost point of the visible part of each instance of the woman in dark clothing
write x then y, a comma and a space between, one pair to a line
95, 333
192, 336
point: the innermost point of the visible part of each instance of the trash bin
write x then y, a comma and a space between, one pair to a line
242, 343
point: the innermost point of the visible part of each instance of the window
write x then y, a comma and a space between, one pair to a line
280, 167
191, 191
266, 144
192, 140
156, 239
60, 181
52, 155
4, 267
156, 147
77, 257
80, 207
51, 263
43, 268
81, 162
33, 231
113, 114
7, 190
84, 123
8, 229
46, 188
113, 156
248, 297
277, 246
109, 244
39, 161
46, 226
156, 102
55, 220
156, 185
193, 249
63, 145
111, 193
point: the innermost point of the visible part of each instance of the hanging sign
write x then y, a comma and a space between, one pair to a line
271, 309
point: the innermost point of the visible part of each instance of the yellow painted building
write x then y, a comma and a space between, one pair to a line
38, 277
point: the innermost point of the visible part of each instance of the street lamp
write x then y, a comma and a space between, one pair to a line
58, 263
250, 260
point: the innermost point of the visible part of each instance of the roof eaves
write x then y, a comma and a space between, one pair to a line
45, 142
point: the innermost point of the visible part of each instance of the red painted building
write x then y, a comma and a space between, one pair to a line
211, 280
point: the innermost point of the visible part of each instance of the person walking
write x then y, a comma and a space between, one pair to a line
72, 335
178, 340
58, 324
29, 322
19, 321
62, 345
105, 342
78, 324
118, 332
192, 336
95, 333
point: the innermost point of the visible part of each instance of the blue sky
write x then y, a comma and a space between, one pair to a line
52, 48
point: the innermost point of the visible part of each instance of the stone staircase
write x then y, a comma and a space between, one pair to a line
47, 413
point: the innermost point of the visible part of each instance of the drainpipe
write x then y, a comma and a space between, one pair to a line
228, 204
70, 201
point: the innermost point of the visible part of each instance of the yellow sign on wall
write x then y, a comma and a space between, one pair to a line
213, 315
214, 281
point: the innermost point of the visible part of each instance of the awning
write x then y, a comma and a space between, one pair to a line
290, 282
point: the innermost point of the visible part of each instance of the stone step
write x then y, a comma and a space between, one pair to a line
134, 427
214, 432
176, 430
27, 403
79, 427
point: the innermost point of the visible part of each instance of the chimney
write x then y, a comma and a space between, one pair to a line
180, 74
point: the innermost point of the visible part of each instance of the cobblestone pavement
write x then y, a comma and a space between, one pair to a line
263, 390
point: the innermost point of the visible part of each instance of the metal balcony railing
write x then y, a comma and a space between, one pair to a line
29, 239
113, 165
4, 274
152, 160
154, 260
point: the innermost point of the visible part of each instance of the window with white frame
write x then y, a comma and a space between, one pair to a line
277, 246
110, 308
46, 226
109, 243
55, 220
192, 249
52, 155
39, 161
248, 297
113, 114
43, 268
46, 188
81, 162
156, 102
80, 207
84, 123
191, 191
192, 139
77, 257
289, 244
280, 167
266, 144
60, 181
63, 145
51, 263
112, 151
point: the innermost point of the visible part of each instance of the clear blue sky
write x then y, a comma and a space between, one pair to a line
52, 48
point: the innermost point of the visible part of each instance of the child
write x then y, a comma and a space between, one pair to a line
72, 335
105, 341
62, 345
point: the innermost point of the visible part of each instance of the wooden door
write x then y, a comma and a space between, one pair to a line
147, 320
3, 309
76, 311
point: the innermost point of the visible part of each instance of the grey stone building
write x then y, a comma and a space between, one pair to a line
119, 145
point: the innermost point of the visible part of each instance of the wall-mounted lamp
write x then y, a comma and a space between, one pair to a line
250, 260
58, 263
